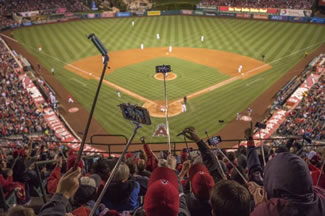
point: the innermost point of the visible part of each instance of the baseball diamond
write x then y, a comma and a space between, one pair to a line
205, 71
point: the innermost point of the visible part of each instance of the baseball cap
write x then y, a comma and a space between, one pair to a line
162, 197
87, 189
201, 181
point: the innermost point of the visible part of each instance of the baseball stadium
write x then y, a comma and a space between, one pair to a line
228, 91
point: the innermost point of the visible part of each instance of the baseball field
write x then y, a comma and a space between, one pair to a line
204, 71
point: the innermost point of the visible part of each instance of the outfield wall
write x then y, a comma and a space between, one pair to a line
273, 14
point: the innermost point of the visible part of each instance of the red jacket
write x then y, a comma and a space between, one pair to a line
152, 162
53, 180
315, 172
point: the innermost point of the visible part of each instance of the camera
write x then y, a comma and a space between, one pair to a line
260, 125
135, 113
213, 141
163, 68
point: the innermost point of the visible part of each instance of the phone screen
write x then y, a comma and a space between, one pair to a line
135, 113
214, 140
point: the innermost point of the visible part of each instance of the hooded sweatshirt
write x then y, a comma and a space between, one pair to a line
289, 189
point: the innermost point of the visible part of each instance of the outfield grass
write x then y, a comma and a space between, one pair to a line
283, 45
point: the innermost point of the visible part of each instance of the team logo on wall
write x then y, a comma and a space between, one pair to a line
161, 131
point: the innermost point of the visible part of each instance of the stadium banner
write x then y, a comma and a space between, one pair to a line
259, 16
187, 12
207, 7
140, 13
271, 126
199, 12
63, 133
210, 13
171, 12
123, 14
29, 13
227, 14
249, 10
297, 13
298, 95
32, 90
298, 19
317, 20
245, 16
61, 10
91, 16
107, 14
153, 13
321, 3
280, 18
27, 23
69, 14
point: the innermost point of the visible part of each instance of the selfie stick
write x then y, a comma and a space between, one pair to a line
233, 165
219, 164
103, 51
262, 147
166, 106
100, 197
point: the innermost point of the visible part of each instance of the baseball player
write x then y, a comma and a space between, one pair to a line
118, 93
158, 36
183, 108
240, 68
70, 100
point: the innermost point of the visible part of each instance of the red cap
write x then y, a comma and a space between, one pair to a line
162, 197
201, 181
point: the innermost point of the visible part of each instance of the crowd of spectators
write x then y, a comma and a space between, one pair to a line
204, 183
7, 7
10, 6
19, 115
290, 4
308, 118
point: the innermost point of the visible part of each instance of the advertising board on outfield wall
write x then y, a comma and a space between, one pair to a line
187, 12
246, 16
227, 14
297, 13
210, 14
198, 12
317, 20
260, 16
140, 13
277, 17
249, 10
298, 19
107, 14
123, 14
153, 13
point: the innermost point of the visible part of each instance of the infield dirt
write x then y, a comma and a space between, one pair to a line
227, 63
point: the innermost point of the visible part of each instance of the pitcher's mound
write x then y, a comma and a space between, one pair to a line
170, 76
